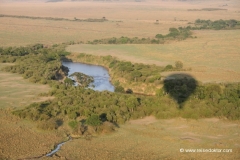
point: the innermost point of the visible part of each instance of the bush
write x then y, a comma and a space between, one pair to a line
129, 91
178, 64
93, 120
168, 67
119, 89
48, 125
73, 124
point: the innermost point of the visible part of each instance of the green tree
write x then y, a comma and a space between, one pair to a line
68, 81
119, 89
178, 64
93, 120
168, 67
159, 36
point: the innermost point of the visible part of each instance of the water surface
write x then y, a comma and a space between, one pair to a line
99, 73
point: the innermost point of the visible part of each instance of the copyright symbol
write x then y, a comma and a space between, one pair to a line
181, 150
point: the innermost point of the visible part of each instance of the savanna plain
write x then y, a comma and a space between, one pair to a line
208, 55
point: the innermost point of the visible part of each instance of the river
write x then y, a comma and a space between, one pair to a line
99, 73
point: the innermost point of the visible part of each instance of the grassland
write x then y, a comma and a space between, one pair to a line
213, 56
149, 138
17, 92
19, 138
136, 19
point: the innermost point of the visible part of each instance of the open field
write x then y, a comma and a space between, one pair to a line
20, 138
211, 55
160, 139
132, 19
17, 92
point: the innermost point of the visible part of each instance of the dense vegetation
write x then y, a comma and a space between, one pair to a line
103, 19
174, 34
216, 25
36, 63
82, 79
180, 33
42, 64
139, 77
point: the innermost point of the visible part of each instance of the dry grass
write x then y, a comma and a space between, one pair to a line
160, 139
20, 138
137, 19
17, 92
213, 56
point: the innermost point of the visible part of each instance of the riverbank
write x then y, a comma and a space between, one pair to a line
115, 79
100, 77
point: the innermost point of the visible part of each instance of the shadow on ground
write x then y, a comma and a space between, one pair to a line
180, 87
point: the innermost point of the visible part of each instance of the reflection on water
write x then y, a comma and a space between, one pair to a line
100, 74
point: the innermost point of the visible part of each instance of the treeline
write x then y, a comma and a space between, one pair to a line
103, 19
174, 34
139, 77
128, 75
37, 63
74, 103
207, 9
216, 25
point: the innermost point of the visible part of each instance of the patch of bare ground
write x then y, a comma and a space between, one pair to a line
144, 121
149, 138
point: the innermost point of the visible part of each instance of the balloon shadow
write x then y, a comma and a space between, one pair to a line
179, 87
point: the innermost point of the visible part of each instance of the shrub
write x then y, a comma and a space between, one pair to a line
178, 64
93, 120
73, 124
168, 67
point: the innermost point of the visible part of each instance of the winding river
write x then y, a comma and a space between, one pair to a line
57, 148
99, 73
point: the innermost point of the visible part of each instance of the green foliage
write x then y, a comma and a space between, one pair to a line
180, 34
83, 80
178, 64
119, 89
168, 67
93, 120
48, 125
38, 64
73, 124
68, 81
74, 102
216, 25
131, 72
159, 36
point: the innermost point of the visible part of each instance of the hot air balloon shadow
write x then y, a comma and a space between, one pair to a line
179, 87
